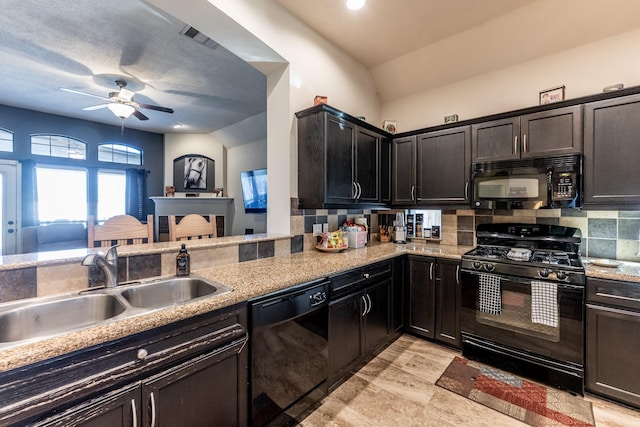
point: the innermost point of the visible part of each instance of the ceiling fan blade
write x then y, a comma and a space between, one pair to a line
83, 93
156, 108
140, 116
95, 107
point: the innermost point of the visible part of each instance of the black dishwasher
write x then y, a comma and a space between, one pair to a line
289, 353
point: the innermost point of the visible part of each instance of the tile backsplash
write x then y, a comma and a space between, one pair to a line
605, 234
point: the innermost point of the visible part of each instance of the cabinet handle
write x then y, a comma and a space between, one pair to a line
134, 413
142, 354
413, 193
359, 187
355, 190
515, 144
431, 271
370, 303
524, 142
364, 301
458, 274
153, 410
365, 275
466, 190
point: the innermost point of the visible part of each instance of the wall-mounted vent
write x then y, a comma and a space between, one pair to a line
196, 35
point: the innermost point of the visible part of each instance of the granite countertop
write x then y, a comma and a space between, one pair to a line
250, 280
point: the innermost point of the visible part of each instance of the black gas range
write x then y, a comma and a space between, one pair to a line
523, 302
542, 251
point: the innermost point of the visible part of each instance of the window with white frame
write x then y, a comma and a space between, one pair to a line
119, 153
58, 146
112, 186
62, 194
6, 140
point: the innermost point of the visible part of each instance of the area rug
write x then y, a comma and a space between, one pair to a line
529, 402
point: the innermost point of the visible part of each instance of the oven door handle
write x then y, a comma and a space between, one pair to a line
503, 278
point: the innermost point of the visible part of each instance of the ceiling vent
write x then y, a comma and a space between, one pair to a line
196, 35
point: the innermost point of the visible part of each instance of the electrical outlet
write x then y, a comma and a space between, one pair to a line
317, 229
325, 227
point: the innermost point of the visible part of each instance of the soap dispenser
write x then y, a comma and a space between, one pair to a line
182, 262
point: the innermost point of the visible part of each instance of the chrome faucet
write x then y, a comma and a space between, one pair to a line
108, 263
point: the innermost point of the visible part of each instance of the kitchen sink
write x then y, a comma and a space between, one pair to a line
176, 290
43, 318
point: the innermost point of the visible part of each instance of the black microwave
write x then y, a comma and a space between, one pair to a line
544, 183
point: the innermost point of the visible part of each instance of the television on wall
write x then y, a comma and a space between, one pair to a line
254, 190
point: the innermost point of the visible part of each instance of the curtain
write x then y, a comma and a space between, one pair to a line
29, 194
136, 193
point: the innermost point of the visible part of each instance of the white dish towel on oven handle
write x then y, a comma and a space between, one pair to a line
544, 303
490, 294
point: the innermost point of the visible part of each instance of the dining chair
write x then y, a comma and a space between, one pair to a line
192, 227
120, 229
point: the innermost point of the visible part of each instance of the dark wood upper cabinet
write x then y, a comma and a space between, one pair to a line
544, 133
339, 161
611, 152
403, 177
443, 164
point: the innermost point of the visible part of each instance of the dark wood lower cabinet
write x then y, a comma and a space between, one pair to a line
193, 372
613, 340
433, 299
359, 321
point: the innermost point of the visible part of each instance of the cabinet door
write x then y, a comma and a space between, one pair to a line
207, 390
397, 295
448, 295
376, 324
495, 140
117, 408
552, 132
367, 166
443, 163
404, 171
345, 317
613, 348
611, 154
421, 298
385, 171
340, 161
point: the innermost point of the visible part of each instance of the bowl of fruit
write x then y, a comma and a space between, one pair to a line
333, 241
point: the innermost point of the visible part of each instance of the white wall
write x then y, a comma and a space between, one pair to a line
242, 158
584, 70
179, 144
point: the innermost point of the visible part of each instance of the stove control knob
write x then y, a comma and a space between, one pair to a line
544, 273
489, 267
561, 275
477, 265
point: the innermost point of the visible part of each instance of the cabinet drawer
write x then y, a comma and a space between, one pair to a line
613, 292
350, 280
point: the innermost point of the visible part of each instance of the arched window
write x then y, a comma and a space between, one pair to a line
6, 140
58, 146
119, 153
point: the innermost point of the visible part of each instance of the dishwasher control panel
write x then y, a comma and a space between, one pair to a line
317, 298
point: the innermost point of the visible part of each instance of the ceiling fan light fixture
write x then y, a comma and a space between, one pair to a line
122, 111
355, 4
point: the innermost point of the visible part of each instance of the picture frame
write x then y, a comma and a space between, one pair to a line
194, 173
555, 94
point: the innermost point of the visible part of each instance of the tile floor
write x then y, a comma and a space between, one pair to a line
397, 388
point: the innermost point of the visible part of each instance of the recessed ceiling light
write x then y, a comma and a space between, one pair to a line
355, 4
178, 125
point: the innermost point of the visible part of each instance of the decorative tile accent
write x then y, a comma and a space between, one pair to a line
18, 284
466, 238
546, 220
629, 214
297, 244
601, 248
282, 247
573, 212
266, 249
602, 228
465, 223
247, 252
143, 266
629, 229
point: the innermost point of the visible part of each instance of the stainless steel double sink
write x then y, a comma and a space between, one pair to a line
48, 316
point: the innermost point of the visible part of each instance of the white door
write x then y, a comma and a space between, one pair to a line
9, 214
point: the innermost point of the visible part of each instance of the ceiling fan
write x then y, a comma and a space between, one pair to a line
121, 103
